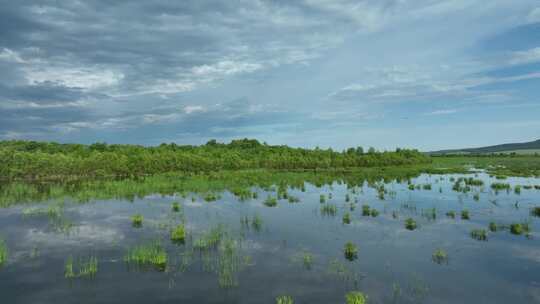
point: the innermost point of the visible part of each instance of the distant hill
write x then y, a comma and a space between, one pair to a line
519, 148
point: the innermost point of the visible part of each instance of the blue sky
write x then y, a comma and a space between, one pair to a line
383, 73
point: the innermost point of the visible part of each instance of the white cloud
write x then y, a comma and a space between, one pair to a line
443, 112
524, 57
534, 16
10, 55
75, 77
192, 109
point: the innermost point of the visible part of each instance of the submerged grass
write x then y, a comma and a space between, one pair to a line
284, 300
85, 268
410, 224
137, 220
148, 255
479, 234
178, 234
355, 297
3, 252
329, 209
440, 256
350, 251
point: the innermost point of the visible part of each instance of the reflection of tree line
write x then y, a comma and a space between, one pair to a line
243, 184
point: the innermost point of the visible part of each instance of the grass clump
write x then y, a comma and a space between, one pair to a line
440, 256
284, 300
307, 259
293, 199
328, 209
492, 227
410, 224
178, 234
322, 199
465, 215
176, 207
350, 251
137, 220
479, 234
153, 255
3, 252
451, 214
366, 210
86, 268
347, 218
426, 187
374, 212
500, 186
270, 201
355, 297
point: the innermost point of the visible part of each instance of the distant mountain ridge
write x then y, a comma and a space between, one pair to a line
531, 145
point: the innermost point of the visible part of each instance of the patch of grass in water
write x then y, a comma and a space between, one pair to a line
86, 268
500, 186
410, 224
465, 215
293, 199
535, 211
210, 240
347, 218
355, 297
322, 199
307, 259
3, 252
178, 234
476, 197
366, 211
176, 207
350, 251
148, 255
284, 300
426, 187
374, 212
270, 201
479, 234
137, 220
493, 227
451, 214
440, 256
329, 209
520, 228
517, 189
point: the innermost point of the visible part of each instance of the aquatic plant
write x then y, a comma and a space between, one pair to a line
535, 211
517, 189
440, 256
427, 187
411, 187
307, 259
476, 196
355, 297
210, 239
479, 234
473, 182
322, 199
347, 198
293, 199
374, 212
178, 234
256, 222
451, 214
152, 254
410, 224
137, 220
176, 207
492, 227
516, 229
366, 210
329, 209
284, 300
347, 218
350, 251
68, 268
86, 268
500, 186
3, 252
465, 215
270, 201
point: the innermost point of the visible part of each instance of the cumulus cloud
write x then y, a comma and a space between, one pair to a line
528, 56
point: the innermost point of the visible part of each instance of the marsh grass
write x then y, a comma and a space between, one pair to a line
347, 218
284, 300
307, 260
210, 239
535, 211
440, 256
137, 220
520, 228
178, 234
256, 222
479, 234
3, 252
322, 199
350, 251
176, 207
293, 199
148, 255
366, 211
355, 297
85, 267
493, 227
328, 210
374, 212
451, 214
517, 189
410, 224
465, 215
426, 187
270, 201
500, 186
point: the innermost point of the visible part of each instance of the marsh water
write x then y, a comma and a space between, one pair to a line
294, 248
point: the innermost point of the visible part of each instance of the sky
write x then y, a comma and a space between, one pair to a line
384, 73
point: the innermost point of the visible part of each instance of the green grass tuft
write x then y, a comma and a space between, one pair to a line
355, 297
137, 220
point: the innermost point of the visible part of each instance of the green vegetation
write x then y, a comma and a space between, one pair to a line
520, 228
374, 212
284, 300
355, 297
479, 234
426, 187
535, 211
34, 160
465, 215
410, 224
366, 211
270, 201
176, 207
328, 209
137, 220
451, 214
322, 199
440, 256
3, 252
307, 260
153, 255
493, 227
500, 186
347, 218
517, 189
86, 268
350, 251
178, 234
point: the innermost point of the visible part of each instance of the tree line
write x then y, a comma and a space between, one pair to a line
34, 160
